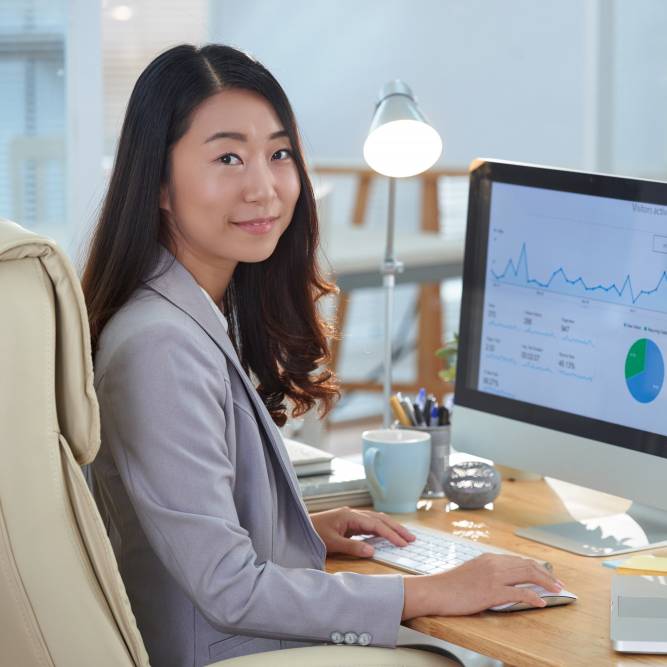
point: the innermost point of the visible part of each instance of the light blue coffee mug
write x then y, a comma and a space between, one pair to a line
397, 465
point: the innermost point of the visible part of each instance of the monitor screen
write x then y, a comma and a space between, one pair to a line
564, 313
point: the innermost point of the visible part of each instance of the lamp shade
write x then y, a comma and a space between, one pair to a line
400, 142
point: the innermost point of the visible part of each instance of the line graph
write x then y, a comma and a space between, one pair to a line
517, 273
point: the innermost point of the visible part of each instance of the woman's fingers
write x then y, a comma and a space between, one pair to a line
344, 545
335, 527
372, 523
530, 572
521, 594
396, 526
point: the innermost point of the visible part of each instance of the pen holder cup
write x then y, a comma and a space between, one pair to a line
440, 446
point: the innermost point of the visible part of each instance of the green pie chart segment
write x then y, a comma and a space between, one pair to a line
644, 370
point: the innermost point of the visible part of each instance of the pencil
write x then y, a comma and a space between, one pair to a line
398, 411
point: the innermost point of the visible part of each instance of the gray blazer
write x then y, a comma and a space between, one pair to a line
213, 541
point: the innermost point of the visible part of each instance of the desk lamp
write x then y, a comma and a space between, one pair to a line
400, 143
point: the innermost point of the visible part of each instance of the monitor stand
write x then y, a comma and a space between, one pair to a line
641, 527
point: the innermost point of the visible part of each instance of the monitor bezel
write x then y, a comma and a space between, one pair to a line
483, 174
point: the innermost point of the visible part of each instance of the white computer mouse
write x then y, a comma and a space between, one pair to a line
552, 599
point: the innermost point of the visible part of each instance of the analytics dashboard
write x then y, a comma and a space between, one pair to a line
575, 304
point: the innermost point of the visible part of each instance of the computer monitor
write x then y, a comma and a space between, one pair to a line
563, 337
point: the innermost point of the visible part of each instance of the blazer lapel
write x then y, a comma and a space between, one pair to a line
176, 284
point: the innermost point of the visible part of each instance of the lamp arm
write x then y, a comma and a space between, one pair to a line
390, 267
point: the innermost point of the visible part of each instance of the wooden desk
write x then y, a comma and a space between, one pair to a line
568, 636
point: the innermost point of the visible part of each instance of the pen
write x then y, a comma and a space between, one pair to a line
435, 415
421, 399
409, 410
419, 418
427, 411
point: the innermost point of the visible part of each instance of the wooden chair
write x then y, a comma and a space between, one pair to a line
355, 254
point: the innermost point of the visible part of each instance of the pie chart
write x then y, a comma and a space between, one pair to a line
644, 370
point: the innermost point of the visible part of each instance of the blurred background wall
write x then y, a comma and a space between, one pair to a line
580, 84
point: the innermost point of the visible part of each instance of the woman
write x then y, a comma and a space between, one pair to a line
201, 275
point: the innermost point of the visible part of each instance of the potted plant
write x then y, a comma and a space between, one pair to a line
448, 354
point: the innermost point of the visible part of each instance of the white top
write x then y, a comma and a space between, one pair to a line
216, 310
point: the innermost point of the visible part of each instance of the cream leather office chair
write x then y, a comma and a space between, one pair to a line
62, 601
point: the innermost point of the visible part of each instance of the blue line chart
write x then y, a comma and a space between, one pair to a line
528, 330
537, 332
534, 367
503, 358
578, 341
500, 325
577, 376
518, 274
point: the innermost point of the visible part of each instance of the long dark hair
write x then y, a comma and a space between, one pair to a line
271, 306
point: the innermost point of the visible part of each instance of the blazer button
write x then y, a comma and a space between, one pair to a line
351, 637
337, 637
364, 639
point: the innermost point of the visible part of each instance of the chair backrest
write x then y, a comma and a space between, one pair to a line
62, 601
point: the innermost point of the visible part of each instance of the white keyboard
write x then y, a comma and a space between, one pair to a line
433, 551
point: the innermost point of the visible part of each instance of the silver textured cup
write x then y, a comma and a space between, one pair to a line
440, 447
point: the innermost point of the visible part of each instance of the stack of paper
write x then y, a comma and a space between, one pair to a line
346, 485
327, 481
308, 460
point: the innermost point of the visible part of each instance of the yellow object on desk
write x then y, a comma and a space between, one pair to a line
655, 565
399, 412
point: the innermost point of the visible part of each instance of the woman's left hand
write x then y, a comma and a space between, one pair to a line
336, 526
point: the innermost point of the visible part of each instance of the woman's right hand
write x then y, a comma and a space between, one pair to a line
484, 582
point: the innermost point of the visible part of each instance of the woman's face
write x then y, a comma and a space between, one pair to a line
233, 183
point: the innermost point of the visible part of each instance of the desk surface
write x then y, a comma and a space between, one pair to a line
568, 636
